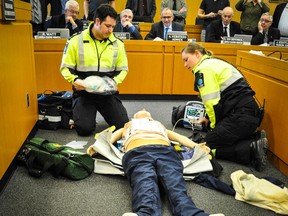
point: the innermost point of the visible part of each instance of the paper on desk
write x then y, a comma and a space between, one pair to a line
76, 144
256, 52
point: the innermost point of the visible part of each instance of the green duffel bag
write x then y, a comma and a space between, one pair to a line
40, 155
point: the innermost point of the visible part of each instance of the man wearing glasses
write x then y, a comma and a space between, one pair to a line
160, 29
125, 25
68, 19
266, 34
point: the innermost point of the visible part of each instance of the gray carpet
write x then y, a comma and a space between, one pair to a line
106, 195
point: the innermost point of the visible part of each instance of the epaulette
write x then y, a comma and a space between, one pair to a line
77, 33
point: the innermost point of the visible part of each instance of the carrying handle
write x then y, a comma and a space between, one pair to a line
45, 92
33, 171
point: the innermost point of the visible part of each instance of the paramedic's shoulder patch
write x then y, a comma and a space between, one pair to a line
67, 43
199, 80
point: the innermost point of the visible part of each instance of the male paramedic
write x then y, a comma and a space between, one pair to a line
96, 52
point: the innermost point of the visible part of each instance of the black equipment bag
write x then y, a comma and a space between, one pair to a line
55, 110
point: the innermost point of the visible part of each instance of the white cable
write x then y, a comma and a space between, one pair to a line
174, 126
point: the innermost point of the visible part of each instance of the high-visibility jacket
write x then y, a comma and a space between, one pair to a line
221, 87
85, 56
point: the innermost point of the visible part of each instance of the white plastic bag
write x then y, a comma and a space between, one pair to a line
99, 85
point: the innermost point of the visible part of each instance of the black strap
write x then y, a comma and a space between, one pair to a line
60, 167
36, 171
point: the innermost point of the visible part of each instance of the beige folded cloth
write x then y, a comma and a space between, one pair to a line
260, 192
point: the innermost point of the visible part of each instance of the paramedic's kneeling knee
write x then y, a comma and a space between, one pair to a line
84, 131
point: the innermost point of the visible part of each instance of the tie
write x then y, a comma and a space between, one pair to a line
225, 31
266, 37
36, 12
165, 33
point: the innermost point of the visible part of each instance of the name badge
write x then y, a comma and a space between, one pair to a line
177, 36
232, 40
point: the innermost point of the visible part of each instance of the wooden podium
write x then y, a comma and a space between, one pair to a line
269, 78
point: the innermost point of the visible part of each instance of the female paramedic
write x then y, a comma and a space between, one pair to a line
231, 110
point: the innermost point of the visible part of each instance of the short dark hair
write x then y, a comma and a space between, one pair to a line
103, 11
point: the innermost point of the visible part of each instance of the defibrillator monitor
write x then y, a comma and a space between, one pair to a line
194, 112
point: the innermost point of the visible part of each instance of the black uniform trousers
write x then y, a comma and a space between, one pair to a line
233, 135
85, 109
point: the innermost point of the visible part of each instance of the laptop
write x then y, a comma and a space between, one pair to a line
246, 38
64, 33
283, 38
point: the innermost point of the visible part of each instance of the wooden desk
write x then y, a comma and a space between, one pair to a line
155, 67
17, 90
269, 78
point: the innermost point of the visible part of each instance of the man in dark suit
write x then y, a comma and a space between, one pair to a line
224, 27
280, 18
125, 25
159, 30
68, 19
143, 10
39, 14
266, 34
90, 6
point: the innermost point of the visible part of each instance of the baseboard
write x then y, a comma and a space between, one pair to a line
158, 97
11, 169
278, 163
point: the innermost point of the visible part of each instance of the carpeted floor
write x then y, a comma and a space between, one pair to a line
106, 195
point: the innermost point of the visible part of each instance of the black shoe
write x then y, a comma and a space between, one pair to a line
259, 150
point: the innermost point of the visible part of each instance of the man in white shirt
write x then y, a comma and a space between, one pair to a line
280, 18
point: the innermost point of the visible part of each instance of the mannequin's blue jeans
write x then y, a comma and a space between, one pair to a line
147, 166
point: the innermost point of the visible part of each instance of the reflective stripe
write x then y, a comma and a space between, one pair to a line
102, 69
80, 51
214, 95
121, 68
50, 118
67, 66
115, 47
210, 96
235, 76
81, 67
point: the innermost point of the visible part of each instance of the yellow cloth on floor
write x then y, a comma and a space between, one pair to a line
260, 192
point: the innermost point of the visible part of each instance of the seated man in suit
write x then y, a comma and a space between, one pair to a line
159, 30
125, 25
224, 27
68, 19
266, 33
